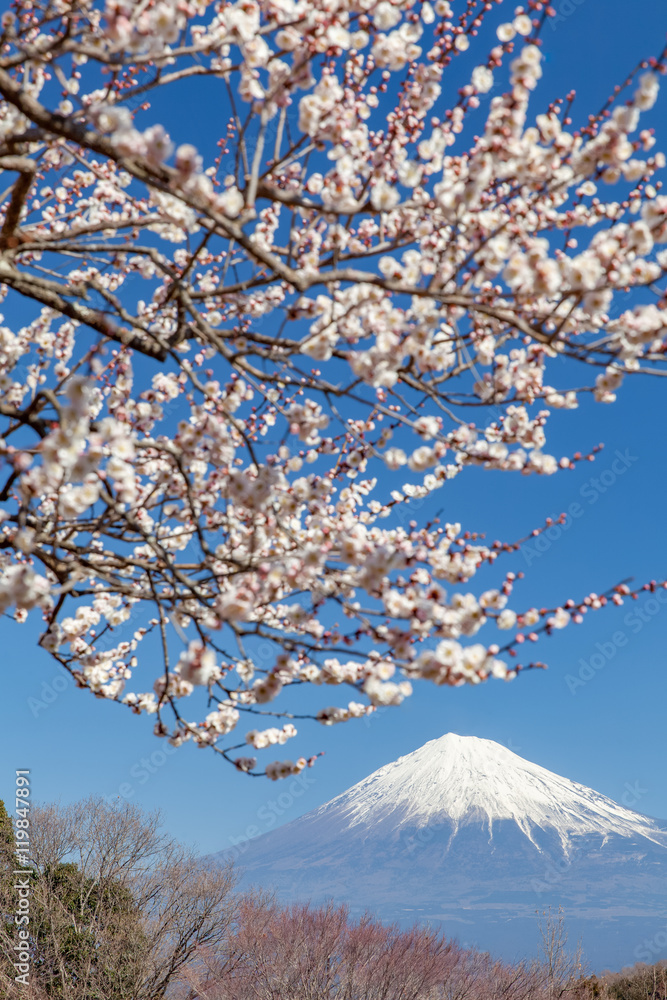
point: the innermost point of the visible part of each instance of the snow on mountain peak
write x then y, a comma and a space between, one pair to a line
465, 779
465, 833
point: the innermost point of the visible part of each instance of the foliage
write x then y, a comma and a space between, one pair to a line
7, 865
228, 372
117, 908
641, 982
6, 840
119, 911
304, 953
87, 937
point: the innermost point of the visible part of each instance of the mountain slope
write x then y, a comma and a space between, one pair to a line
465, 831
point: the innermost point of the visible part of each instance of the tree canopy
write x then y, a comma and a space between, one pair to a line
117, 907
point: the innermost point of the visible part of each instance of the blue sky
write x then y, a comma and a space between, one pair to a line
600, 725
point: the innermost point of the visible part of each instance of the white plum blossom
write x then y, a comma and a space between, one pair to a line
284, 768
384, 197
482, 79
235, 373
560, 619
270, 737
506, 619
198, 665
394, 458
606, 384
231, 202
506, 32
522, 24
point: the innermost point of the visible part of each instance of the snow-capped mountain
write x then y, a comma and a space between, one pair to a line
468, 833
463, 780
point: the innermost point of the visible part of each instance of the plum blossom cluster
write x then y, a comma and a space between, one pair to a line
245, 359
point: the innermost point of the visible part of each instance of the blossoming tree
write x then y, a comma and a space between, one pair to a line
229, 365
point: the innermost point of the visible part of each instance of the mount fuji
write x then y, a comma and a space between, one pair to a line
465, 833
